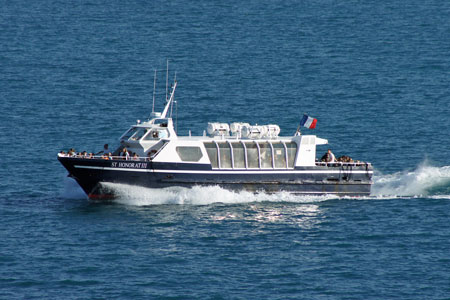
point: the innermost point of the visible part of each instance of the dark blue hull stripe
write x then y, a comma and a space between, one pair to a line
228, 172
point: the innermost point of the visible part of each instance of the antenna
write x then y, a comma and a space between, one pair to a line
167, 80
176, 107
154, 88
176, 117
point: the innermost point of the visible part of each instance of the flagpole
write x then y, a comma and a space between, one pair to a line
298, 131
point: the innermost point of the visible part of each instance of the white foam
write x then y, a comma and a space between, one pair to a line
140, 196
426, 180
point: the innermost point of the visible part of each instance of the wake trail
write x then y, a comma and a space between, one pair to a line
425, 180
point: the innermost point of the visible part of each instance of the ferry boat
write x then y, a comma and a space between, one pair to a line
236, 156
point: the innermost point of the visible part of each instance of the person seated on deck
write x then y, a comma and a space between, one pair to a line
110, 157
135, 156
155, 134
328, 157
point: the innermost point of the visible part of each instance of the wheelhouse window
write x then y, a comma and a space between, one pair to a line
161, 122
189, 153
156, 134
139, 134
130, 133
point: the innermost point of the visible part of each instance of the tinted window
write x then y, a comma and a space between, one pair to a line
291, 151
129, 133
156, 134
211, 150
252, 155
266, 155
189, 153
225, 155
155, 149
238, 155
279, 155
139, 134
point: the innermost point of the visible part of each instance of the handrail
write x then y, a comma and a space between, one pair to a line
122, 158
102, 157
341, 163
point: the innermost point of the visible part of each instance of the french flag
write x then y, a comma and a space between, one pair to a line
308, 122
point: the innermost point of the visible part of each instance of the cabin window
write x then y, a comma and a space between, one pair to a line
225, 155
155, 149
279, 155
161, 122
238, 155
266, 155
252, 155
211, 150
189, 153
291, 148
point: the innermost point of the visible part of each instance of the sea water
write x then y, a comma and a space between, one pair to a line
374, 73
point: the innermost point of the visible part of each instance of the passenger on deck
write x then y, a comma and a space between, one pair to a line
72, 152
331, 157
110, 156
125, 154
135, 156
328, 157
155, 134
104, 151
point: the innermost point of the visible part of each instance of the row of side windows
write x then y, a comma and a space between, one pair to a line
251, 154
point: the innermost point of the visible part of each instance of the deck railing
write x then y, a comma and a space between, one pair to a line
103, 157
341, 163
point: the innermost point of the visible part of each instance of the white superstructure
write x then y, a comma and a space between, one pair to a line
227, 146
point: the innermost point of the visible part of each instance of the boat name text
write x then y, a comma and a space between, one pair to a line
133, 165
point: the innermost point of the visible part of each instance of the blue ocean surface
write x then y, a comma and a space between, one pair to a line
376, 75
